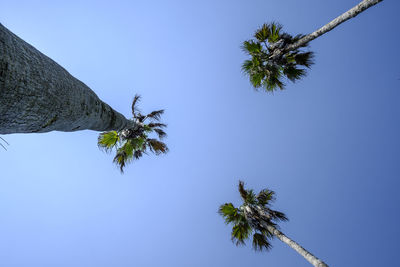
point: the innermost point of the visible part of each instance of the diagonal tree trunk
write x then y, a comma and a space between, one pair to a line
38, 95
334, 23
294, 245
365, 4
259, 218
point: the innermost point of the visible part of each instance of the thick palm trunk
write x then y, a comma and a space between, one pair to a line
334, 23
302, 251
38, 95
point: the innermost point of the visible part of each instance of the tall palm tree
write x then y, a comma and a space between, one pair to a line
276, 54
37, 95
132, 143
256, 217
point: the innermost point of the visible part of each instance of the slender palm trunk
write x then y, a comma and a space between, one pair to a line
334, 23
302, 251
38, 95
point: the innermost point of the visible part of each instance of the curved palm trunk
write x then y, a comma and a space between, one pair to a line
38, 95
334, 23
302, 251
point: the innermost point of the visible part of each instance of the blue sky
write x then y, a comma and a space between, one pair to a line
328, 145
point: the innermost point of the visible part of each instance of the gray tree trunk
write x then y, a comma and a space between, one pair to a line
334, 23
294, 245
37, 95
328, 27
258, 216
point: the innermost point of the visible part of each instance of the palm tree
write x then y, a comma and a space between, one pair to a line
256, 217
37, 95
132, 143
276, 54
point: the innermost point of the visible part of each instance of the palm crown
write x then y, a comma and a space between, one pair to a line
247, 223
132, 143
269, 62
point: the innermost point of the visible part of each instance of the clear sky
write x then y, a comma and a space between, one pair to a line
328, 145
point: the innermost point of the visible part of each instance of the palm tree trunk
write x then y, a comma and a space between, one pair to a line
334, 23
38, 95
302, 251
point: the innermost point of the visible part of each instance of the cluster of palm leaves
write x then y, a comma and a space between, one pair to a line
252, 217
133, 143
270, 61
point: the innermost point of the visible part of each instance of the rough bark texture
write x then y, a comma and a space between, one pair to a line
302, 251
38, 95
334, 23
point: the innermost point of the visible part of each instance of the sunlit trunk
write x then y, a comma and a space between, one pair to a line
38, 95
326, 28
302, 251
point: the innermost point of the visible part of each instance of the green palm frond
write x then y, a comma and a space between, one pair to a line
265, 197
240, 232
120, 159
275, 29
305, 59
263, 33
133, 143
230, 213
108, 140
248, 196
269, 63
251, 47
293, 73
261, 242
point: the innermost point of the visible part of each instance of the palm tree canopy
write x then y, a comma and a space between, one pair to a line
267, 66
247, 224
133, 143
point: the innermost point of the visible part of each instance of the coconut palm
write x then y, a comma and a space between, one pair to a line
38, 95
132, 143
276, 54
256, 218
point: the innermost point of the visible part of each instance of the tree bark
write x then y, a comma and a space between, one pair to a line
302, 251
38, 95
333, 24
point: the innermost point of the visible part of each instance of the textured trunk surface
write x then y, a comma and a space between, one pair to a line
302, 251
38, 95
334, 23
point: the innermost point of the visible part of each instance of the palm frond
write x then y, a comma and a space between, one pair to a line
305, 59
136, 99
156, 124
230, 213
240, 232
108, 140
260, 242
161, 134
293, 73
265, 197
121, 160
157, 147
278, 216
251, 47
155, 115
275, 29
242, 191
263, 33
